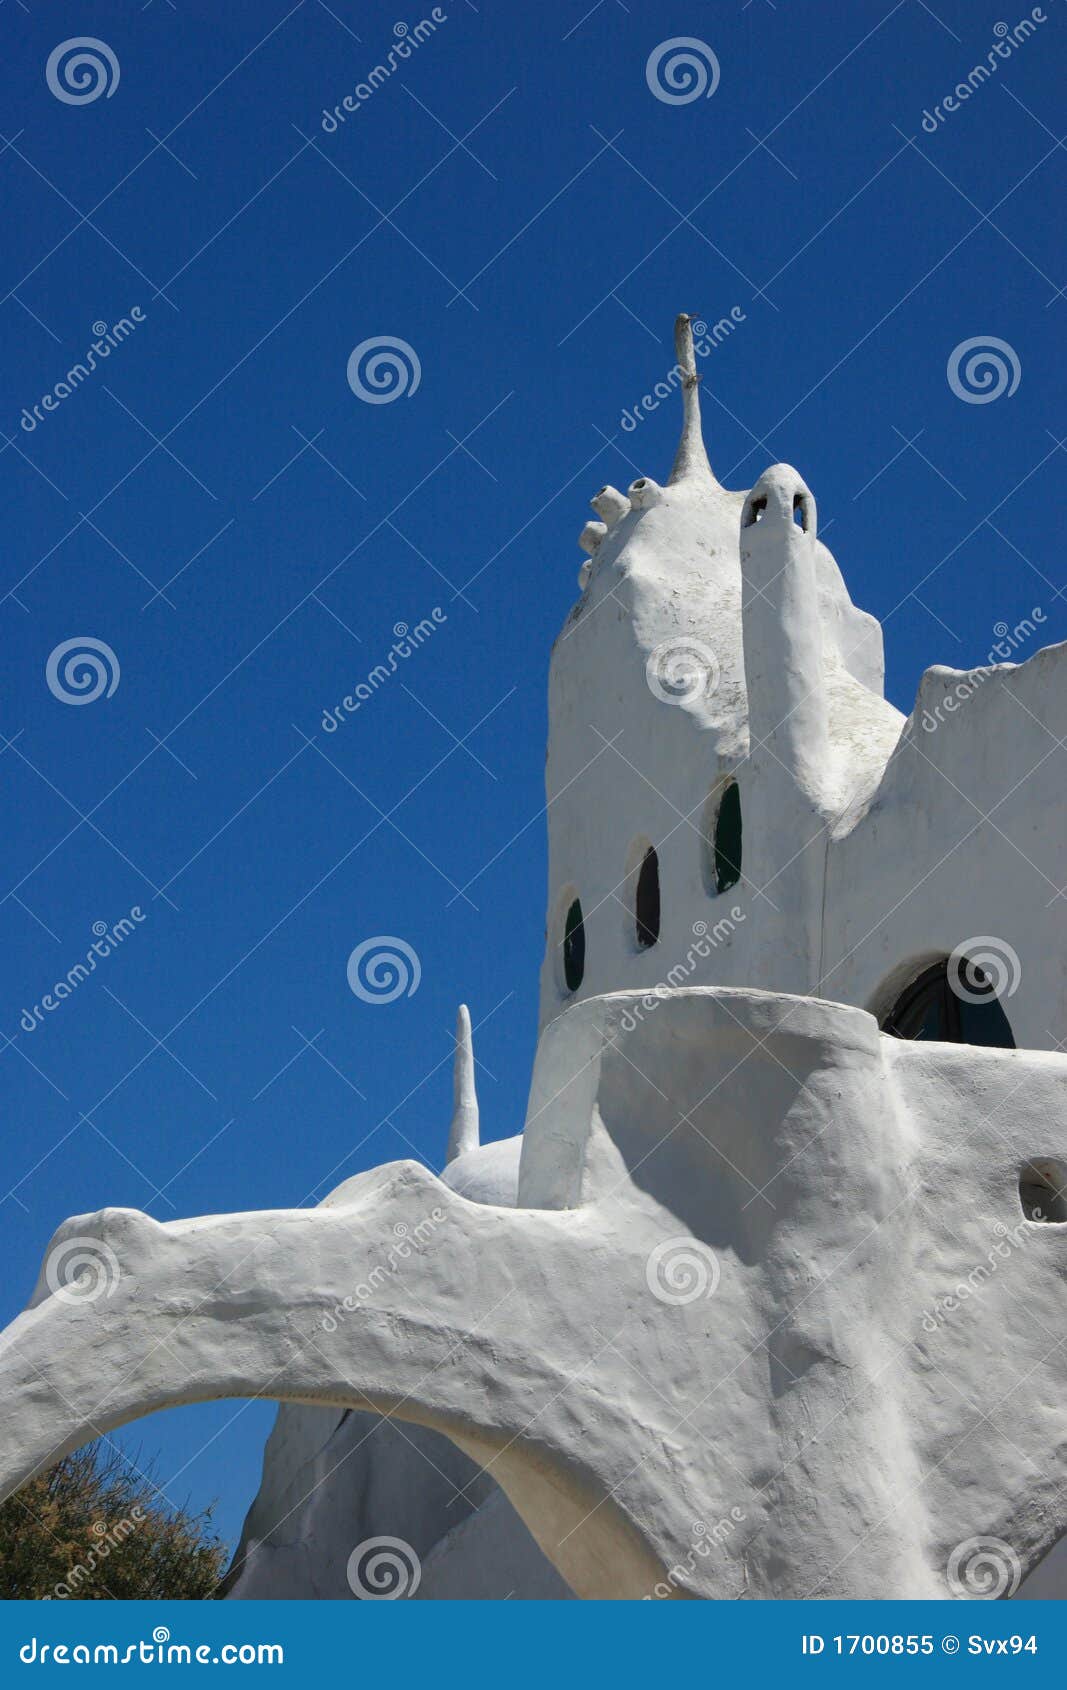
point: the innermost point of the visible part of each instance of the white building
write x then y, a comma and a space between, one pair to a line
872, 846
714, 655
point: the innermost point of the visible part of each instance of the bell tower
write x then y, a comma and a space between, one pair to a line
693, 681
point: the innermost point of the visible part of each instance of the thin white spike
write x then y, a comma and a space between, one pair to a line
691, 459
464, 1135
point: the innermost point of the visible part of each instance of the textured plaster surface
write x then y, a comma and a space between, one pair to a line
817, 1181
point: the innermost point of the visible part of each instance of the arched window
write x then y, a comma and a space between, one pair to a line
961, 1008
646, 900
728, 839
574, 946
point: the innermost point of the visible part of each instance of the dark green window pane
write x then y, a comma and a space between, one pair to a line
646, 903
728, 840
574, 947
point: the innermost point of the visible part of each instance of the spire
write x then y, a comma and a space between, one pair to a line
691, 459
464, 1134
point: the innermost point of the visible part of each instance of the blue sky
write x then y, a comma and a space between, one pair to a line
217, 506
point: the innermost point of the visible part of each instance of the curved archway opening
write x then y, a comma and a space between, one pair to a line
952, 1001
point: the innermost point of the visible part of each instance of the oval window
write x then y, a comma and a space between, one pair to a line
728, 839
574, 946
646, 900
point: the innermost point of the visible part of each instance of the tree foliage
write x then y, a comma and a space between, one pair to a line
95, 1528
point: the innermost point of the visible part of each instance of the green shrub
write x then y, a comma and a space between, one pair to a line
96, 1528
